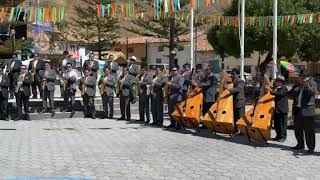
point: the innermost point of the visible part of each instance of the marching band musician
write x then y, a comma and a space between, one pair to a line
303, 95
281, 108
157, 98
132, 65
187, 76
63, 65
209, 88
92, 65
36, 66
70, 85
175, 94
107, 83
118, 92
87, 85
127, 85
238, 93
22, 92
4, 83
13, 69
48, 86
112, 64
144, 96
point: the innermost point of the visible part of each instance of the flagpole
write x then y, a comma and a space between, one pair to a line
242, 39
191, 38
275, 37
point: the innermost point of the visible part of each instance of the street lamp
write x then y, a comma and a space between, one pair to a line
13, 34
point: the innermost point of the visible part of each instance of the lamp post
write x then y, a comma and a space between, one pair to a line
13, 35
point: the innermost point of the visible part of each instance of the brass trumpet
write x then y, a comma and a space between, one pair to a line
19, 82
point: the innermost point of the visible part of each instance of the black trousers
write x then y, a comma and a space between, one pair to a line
206, 106
304, 129
157, 109
238, 113
172, 105
48, 95
280, 125
36, 85
107, 103
125, 107
88, 103
22, 99
144, 103
69, 99
3, 107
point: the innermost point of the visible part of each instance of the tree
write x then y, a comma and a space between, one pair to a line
291, 39
167, 28
91, 27
23, 45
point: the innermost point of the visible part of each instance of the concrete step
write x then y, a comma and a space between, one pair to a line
78, 114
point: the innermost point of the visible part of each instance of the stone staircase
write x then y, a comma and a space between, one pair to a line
36, 105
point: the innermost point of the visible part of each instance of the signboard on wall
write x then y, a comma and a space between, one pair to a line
38, 32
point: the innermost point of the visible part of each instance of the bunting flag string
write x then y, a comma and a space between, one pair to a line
54, 14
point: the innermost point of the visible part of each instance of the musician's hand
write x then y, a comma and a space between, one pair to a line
268, 88
306, 83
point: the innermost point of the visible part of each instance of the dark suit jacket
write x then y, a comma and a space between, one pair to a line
110, 84
209, 87
307, 98
128, 82
26, 84
175, 89
143, 84
51, 80
281, 99
5, 83
39, 67
158, 85
90, 89
238, 93
16, 66
187, 80
94, 67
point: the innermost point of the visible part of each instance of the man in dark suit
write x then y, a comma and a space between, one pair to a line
209, 88
127, 92
48, 86
187, 76
144, 95
157, 99
107, 83
36, 68
14, 70
238, 93
132, 65
87, 85
175, 95
70, 81
63, 68
4, 85
303, 95
92, 65
22, 92
281, 108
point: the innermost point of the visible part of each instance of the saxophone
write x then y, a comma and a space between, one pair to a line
19, 82
165, 90
102, 85
138, 92
84, 87
33, 71
44, 80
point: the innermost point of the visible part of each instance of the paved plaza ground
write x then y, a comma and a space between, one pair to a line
110, 149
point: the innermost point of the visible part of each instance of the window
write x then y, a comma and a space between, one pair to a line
160, 48
247, 69
130, 50
158, 61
